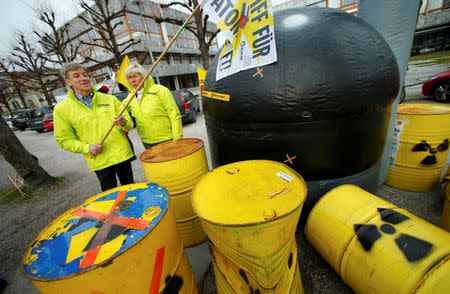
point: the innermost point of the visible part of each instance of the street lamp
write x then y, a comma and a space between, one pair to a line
138, 3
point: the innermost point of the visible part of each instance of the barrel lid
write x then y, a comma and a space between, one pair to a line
248, 192
414, 108
171, 150
95, 232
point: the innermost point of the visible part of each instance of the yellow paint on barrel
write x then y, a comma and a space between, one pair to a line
141, 250
432, 282
249, 211
420, 147
177, 166
391, 252
350, 211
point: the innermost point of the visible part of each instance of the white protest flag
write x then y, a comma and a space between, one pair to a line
248, 26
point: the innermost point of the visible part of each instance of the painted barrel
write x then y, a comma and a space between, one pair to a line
178, 165
420, 146
377, 247
124, 240
249, 211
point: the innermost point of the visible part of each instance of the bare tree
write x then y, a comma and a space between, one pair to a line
199, 27
105, 21
26, 165
10, 77
33, 68
55, 41
5, 97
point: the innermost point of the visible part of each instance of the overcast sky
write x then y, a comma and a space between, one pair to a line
18, 15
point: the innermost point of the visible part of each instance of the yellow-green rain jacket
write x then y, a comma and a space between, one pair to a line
77, 126
157, 115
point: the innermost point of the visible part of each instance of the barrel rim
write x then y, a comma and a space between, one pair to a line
299, 206
101, 264
429, 273
430, 111
323, 197
254, 223
147, 152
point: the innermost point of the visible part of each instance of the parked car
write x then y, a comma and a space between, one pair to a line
20, 118
121, 95
187, 104
438, 87
48, 121
7, 119
36, 116
426, 50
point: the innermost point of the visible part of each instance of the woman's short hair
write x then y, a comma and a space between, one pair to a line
135, 68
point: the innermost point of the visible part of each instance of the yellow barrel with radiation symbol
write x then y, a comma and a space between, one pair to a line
178, 165
420, 147
124, 240
377, 247
249, 211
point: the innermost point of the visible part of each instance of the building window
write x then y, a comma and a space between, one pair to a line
334, 3
349, 2
346, 5
447, 4
164, 60
435, 4
153, 27
15, 104
135, 22
177, 60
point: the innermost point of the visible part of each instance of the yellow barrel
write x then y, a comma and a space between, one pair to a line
249, 211
384, 249
177, 166
124, 240
420, 146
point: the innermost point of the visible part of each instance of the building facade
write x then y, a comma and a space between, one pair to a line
433, 24
178, 69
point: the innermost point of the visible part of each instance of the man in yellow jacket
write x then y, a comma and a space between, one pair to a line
158, 118
82, 119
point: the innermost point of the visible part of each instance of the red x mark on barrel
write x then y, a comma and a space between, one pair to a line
107, 221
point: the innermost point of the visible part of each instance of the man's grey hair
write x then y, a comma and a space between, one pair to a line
70, 67
135, 68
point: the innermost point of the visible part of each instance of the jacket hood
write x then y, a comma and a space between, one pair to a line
148, 83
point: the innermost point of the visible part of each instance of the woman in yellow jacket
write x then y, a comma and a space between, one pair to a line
157, 116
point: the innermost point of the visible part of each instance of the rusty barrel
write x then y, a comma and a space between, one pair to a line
420, 147
178, 165
377, 247
249, 211
124, 240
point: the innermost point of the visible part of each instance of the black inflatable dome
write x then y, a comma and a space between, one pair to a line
326, 101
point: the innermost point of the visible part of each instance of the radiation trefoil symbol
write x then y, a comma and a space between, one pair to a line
425, 147
413, 249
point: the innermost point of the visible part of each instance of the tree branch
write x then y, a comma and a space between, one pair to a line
187, 6
212, 37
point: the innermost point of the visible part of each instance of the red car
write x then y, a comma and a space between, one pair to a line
48, 121
438, 87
